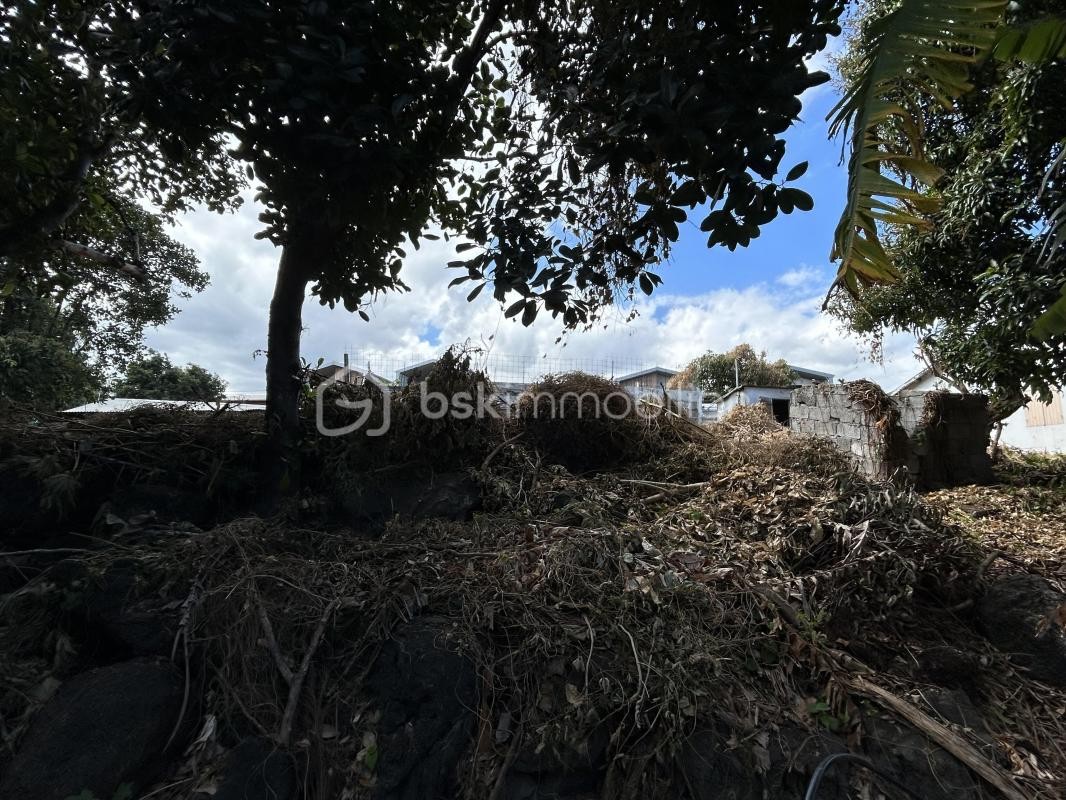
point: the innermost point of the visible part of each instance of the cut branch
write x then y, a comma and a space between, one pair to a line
271, 641
943, 736
81, 251
296, 686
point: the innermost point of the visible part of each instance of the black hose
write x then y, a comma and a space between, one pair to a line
828, 761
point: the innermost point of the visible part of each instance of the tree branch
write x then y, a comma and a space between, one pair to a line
81, 251
500, 38
466, 62
463, 67
297, 683
52, 216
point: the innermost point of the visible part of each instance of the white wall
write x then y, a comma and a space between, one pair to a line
750, 395
1043, 438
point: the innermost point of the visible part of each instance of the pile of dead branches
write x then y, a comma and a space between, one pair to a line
59, 457
729, 580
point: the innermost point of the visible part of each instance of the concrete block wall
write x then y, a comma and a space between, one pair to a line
828, 411
940, 438
949, 437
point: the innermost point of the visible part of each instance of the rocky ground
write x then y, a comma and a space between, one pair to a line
711, 615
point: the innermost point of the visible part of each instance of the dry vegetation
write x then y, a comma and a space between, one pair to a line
741, 576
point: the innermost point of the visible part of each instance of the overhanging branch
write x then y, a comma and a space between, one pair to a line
463, 67
52, 216
135, 271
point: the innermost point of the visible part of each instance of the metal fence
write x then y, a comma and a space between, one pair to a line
508, 368
513, 373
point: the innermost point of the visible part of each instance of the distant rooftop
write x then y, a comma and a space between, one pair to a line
416, 368
648, 371
804, 372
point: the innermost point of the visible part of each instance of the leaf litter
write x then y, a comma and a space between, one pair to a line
741, 576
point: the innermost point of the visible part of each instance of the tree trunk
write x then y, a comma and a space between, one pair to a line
995, 441
283, 366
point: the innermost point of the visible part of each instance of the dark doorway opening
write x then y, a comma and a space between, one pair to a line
780, 409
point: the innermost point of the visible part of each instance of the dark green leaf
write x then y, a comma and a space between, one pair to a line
797, 171
796, 197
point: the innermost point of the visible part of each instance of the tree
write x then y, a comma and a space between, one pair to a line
565, 140
917, 54
153, 377
717, 373
69, 128
42, 373
84, 269
970, 282
98, 315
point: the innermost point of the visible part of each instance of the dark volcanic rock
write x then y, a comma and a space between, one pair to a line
908, 756
427, 695
554, 776
115, 618
450, 495
716, 772
102, 729
1023, 615
257, 770
447, 495
948, 666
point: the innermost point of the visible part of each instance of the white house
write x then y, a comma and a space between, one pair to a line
802, 376
416, 373
776, 398
1038, 426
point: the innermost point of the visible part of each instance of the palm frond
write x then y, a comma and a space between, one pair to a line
1035, 43
929, 45
1053, 321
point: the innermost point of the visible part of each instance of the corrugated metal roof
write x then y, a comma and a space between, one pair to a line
120, 404
648, 371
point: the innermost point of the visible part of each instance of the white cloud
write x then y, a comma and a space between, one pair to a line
222, 328
802, 276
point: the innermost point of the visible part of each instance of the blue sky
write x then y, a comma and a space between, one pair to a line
799, 239
767, 295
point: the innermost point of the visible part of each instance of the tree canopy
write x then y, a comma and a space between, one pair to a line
717, 373
564, 140
84, 267
43, 373
73, 131
972, 283
153, 377
98, 313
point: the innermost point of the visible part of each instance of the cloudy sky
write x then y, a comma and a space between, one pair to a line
767, 295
